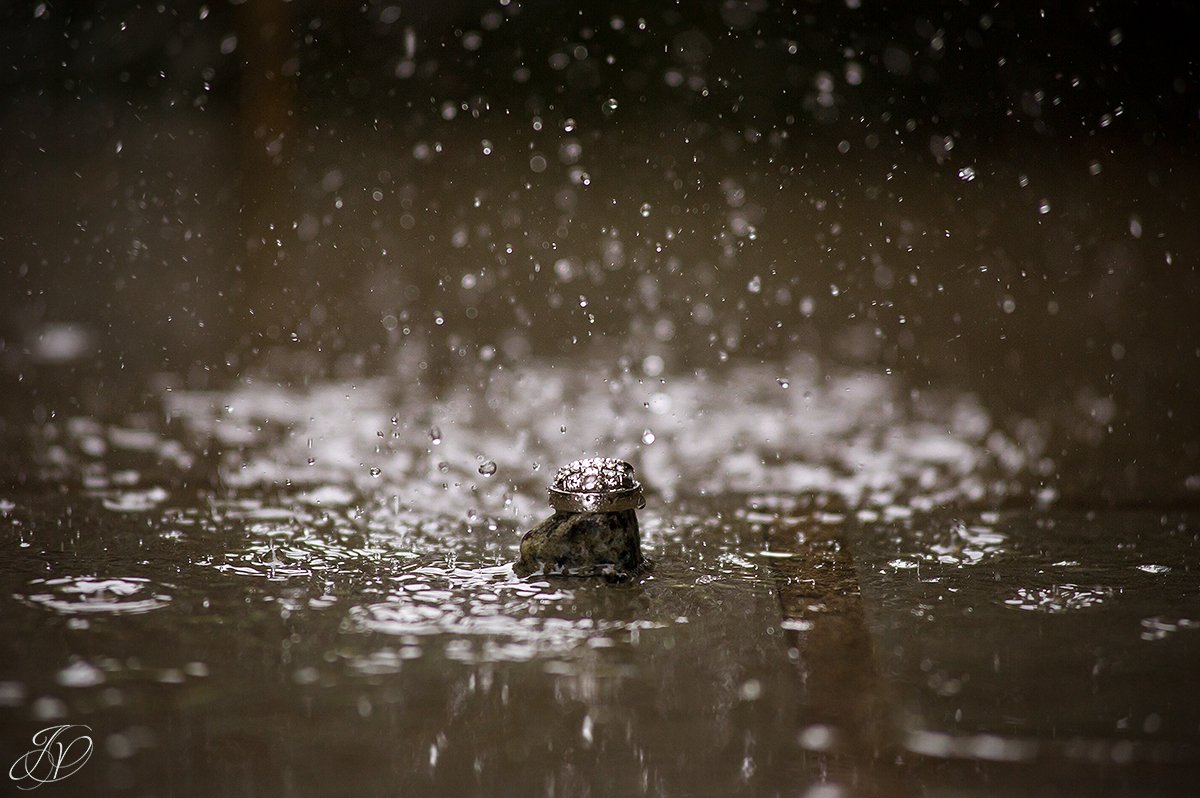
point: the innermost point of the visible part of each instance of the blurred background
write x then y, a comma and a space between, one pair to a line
994, 199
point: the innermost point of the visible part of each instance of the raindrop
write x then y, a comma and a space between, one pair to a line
610, 106
966, 174
784, 384
645, 210
375, 471
586, 732
487, 467
1044, 208
755, 284
647, 437
435, 435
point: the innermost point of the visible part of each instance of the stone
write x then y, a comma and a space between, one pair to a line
584, 544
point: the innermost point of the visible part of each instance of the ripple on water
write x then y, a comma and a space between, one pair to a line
280, 553
1058, 598
953, 544
481, 614
93, 595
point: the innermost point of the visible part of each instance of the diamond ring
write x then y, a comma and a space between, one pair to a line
596, 485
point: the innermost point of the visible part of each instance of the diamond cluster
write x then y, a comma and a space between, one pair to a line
595, 475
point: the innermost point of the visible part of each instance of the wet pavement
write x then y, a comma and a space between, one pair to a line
298, 591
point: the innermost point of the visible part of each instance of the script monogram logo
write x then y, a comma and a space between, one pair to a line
59, 752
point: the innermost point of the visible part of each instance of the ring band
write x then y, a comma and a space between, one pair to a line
596, 485
590, 502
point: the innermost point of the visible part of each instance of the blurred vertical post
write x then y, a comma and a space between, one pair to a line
270, 64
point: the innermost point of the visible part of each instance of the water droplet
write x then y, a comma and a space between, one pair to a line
966, 174
610, 106
755, 284
375, 471
487, 467
587, 731
435, 435
563, 429
1044, 208
569, 125
784, 384
647, 437
645, 210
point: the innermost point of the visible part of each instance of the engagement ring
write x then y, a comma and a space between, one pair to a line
596, 485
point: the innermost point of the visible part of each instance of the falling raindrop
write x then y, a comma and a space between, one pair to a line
784, 384
647, 437
487, 467
375, 471
755, 285
966, 174
435, 435
610, 106
645, 210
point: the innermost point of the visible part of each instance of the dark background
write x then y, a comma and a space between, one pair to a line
1000, 199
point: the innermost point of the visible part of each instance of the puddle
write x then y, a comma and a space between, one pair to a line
340, 554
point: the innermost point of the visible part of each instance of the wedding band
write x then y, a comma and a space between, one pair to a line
596, 485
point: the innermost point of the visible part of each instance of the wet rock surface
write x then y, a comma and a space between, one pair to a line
584, 544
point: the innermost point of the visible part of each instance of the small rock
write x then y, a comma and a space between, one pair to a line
584, 544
